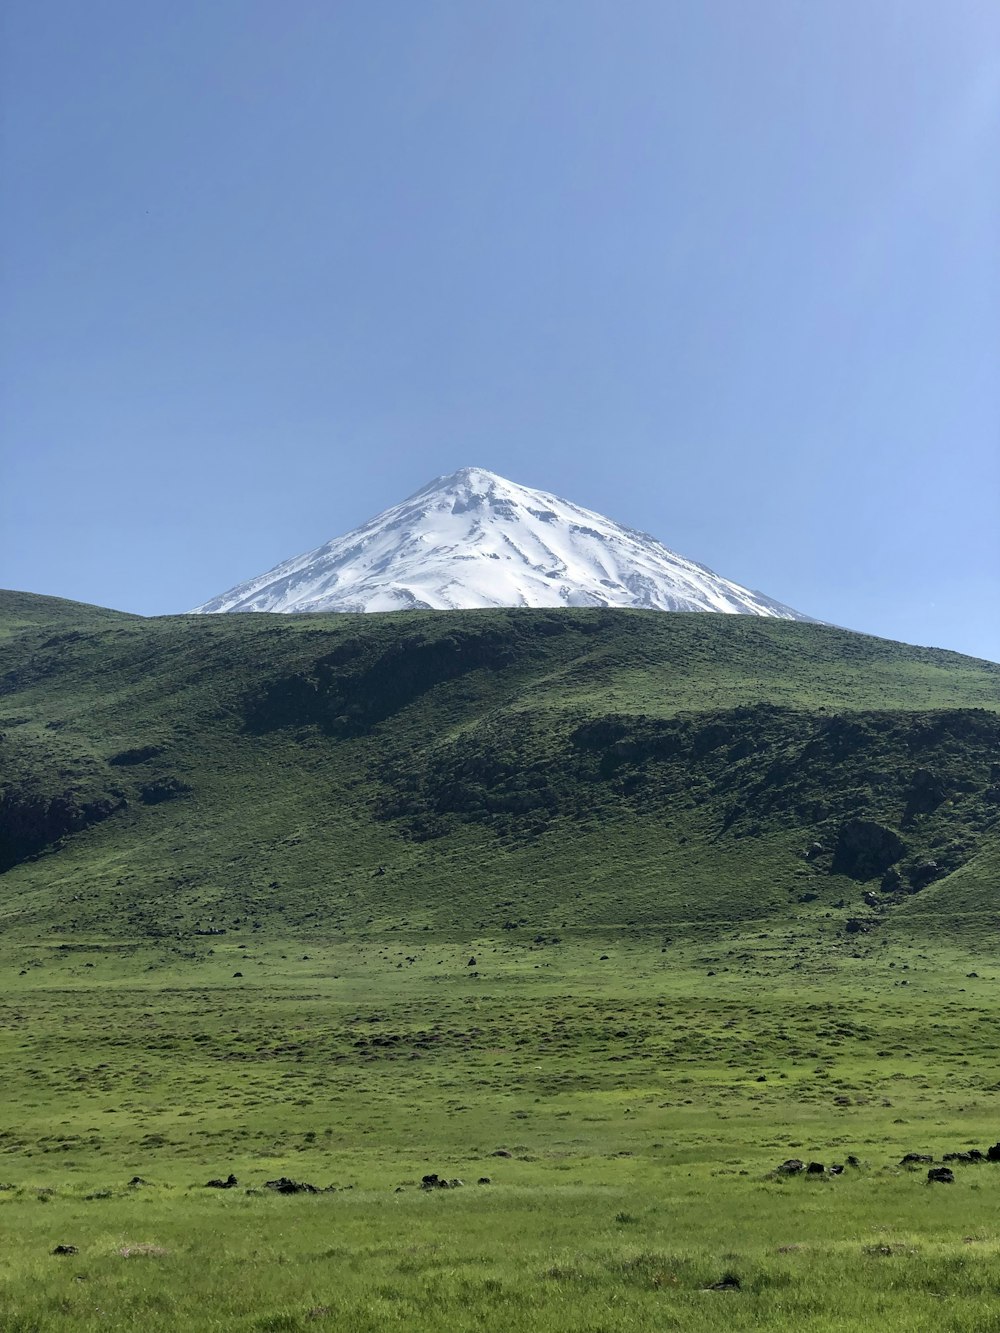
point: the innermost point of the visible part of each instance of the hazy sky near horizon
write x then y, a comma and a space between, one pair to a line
727, 273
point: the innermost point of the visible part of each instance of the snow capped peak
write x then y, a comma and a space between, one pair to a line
473, 538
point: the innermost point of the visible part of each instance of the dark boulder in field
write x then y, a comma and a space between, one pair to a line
993, 1154
816, 1169
916, 1159
436, 1182
837, 1169
791, 1167
285, 1186
943, 1175
66, 1249
229, 1183
728, 1282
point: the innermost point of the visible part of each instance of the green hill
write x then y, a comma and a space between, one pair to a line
480, 771
626, 917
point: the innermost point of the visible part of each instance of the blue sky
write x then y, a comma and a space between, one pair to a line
726, 272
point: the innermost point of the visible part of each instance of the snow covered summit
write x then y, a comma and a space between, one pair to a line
474, 539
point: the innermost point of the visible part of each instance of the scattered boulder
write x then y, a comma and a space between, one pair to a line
854, 1161
916, 1159
993, 1154
816, 1169
728, 1282
285, 1186
943, 1175
837, 1169
163, 789
484, 1180
138, 1180
436, 1182
66, 1249
791, 1167
865, 849
923, 874
229, 1183
140, 755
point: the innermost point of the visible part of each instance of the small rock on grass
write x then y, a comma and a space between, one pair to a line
791, 1167
285, 1186
943, 1175
728, 1282
66, 1249
436, 1182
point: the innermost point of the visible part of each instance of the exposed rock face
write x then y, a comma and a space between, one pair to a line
866, 849
31, 821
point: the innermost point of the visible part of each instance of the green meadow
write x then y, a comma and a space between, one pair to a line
570, 908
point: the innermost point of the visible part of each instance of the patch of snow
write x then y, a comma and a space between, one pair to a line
473, 539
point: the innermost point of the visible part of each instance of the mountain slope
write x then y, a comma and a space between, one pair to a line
473, 539
546, 768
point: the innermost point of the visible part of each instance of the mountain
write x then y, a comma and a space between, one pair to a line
461, 770
473, 539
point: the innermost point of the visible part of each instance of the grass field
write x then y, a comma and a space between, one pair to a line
641, 1102
596, 907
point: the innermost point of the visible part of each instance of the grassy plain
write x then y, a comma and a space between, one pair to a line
533, 897
644, 1099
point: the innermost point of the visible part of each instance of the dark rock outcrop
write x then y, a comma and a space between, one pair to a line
865, 849
283, 1185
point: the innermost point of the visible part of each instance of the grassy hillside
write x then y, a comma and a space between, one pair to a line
604, 915
476, 770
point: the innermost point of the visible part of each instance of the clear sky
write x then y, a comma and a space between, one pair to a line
728, 272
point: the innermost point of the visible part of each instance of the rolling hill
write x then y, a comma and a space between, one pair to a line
492, 770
